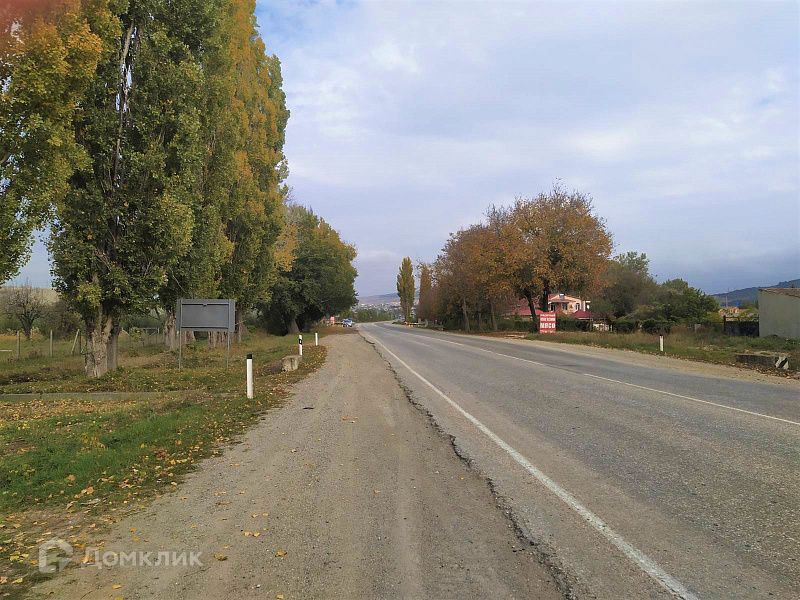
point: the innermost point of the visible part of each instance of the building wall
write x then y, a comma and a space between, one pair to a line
778, 314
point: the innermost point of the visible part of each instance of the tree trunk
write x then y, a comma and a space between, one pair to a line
465, 313
492, 316
531, 305
190, 337
292, 324
170, 331
546, 296
241, 328
98, 332
112, 347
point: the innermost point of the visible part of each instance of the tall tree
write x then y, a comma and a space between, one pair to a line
425, 308
48, 56
128, 216
256, 122
557, 243
405, 287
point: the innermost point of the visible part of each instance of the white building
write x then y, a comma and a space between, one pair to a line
779, 312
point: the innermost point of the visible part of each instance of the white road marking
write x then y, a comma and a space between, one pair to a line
644, 562
641, 387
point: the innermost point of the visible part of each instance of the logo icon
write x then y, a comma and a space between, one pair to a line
54, 556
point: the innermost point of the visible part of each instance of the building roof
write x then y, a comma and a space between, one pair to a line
785, 291
582, 314
521, 309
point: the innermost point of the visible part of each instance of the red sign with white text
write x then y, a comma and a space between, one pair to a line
547, 322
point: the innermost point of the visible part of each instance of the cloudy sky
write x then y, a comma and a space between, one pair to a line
680, 119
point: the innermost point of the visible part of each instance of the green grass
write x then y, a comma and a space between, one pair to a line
81, 455
703, 346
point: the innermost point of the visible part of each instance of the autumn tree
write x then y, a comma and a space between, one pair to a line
48, 57
128, 215
457, 280
556, 243
405, 287
255, 168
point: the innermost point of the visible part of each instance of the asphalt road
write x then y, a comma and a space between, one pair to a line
635, 480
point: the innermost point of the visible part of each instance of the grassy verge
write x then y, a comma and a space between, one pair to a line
702, 346
76, 462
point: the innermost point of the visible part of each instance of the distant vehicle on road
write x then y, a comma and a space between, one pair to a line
347, 322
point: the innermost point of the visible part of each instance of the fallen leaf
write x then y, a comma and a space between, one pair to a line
70, 478
116, 586
281, 553
220, 556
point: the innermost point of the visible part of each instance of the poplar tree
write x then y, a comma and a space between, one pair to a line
425, 309
255, 123
48, 57
128, 215
405, 287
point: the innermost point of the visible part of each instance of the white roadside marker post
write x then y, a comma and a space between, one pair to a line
661, 342
316, 338
250, 376
300, 344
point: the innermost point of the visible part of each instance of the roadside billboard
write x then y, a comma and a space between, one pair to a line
547, 322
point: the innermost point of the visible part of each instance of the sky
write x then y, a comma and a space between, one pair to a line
681, 120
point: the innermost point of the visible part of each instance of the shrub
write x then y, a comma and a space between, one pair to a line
656, 326
625, 326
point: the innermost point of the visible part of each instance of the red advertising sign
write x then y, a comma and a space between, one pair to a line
547, 322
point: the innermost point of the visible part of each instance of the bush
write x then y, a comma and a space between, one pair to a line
625, 326
656, 326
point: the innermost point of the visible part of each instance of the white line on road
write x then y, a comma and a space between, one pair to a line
641, 387
644, 562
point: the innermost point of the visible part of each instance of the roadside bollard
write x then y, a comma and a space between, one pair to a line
316, 338
300, 344
249, 376
661, 342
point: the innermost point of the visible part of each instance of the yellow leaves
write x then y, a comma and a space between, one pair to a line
220, 556
116, 586
254, 534
70, 478
281, 553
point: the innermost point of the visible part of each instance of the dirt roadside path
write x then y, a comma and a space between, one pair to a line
353, 494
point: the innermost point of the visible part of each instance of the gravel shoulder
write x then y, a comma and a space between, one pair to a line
352, 494
631, 357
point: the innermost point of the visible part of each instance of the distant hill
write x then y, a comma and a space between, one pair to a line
736, 297
383, 299
379, 299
